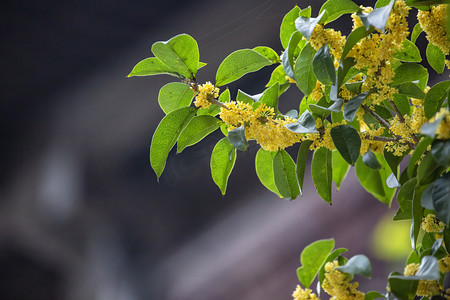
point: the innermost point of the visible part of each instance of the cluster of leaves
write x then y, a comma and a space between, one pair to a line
423, 186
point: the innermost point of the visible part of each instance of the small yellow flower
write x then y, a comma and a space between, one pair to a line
425, 288
433, 23
338, 285
206, 93
303, 294
432, 224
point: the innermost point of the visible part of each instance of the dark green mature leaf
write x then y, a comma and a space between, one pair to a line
440, 149
214, 109
322, 173
441, 198
373, 180
447, 237
340, 168
323, 66
436, 58
336, 8
306, 25
416, 32
417, 214
303, 70
357, 265
151, 66
411, 90
427, 197
435, 97
312, 258
237, 138
268, 53
402, 103
264, 169
270, 96
377, 17
393, 161
354, 37
239, 63
198, 128
305, 124
347, 142
288, 26
285, 175
180, 53
371, 160
166, 135
428, 170
408, 72
401, 287
302, 157
417, 154
404, 199
287, 58
175, 95
352, 106
222, 163
409, 52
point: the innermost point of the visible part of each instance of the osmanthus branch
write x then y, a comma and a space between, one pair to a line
402, 119
194, 86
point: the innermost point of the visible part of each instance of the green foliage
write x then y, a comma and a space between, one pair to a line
222, 162
285, 175
322, 173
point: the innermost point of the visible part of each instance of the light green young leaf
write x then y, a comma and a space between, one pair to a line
303, 70
408, 72
285, 175
247, 98
268, 53
347, 142
197, 129
288, 26
175, 95
180, 53
278, 75
166, 135
416, 32
151, 66
302, 157
264, 169
223, 158
340, 168
435, 97
436, 58
409, 52
239, 63
312, 258
322, 173
372, 295
270, 96
323, 66
357, 265
337, 8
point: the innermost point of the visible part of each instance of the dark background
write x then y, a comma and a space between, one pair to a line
82, 215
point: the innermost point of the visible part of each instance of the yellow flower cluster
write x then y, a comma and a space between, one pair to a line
206, 93
261, 124
443, 130
335, 40
338, 285
418, 115
444, 264
425, 288
303, 294
432, 224
323, 137
433, 23
367, 141
401, 128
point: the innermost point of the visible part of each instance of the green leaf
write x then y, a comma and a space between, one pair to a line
447, 237
402, 103
372, 295
303, 70
347, 142
214, 109
264, 169
278, 75
239, 63
336, 8
288, 26
429, 129
428, 270
401, 287
285, 175
411, 90
287, 58
302, 156
416, 32
323, 66
151, 66
312, 258
306, 25
354, 37
357, 265
417, 214
440, 149
441, 198
371, 160
175, 95
435, 97
428, 170
166, 135
268, 53
246, 98
196, 130
393, 161
180, 53
408, 72
373, 180
404, 199
352, 106
417, 154
340, 168
377, 17
436, 58
321, 172
237, 138
409, 52
270, 96
223, 158
427, 197
305, 124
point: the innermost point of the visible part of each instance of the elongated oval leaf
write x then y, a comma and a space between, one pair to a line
303, 70
357, 265
175, 95
288, 26
268, 53
264, 169
323, 66
352, 106
436, 58
288, 57
347, 142
180, 53
427, 197
408, 72
336, 8
239, 63
151, 66
409, 52
285, 175
302, 157
166, 135
435, 97
428, 170
196, 130
371, 160
222, 162
322, 173
404, 199
270, 96
312, 258
440, 149
340, 168
417, 30
441, 198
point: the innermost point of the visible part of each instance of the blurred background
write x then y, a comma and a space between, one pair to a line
82, 215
